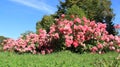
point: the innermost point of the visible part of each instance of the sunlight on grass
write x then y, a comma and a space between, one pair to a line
59, 59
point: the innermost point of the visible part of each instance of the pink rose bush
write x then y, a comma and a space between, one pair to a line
76, 34
33, 43
85, 35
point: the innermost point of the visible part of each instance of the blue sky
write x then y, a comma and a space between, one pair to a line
18, 16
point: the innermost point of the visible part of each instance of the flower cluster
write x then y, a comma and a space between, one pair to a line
85, 34
76, 33
34, 43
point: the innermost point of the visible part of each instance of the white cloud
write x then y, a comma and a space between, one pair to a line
37, 4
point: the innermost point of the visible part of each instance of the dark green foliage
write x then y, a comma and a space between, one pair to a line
2, 38
98, 10
26, 33
111, 29
45, 23
76, 11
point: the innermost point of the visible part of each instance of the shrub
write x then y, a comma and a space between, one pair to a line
81, 35
33, 43
78, 35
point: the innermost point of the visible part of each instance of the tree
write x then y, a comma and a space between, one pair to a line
2, 38
75, 10
45, 23
26, 33
98, 10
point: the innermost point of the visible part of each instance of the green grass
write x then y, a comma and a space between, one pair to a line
60, 59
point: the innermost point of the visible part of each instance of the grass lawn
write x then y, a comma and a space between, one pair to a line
60, 59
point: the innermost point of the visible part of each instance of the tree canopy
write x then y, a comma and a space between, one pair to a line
2, 38
45, 22
98, 10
